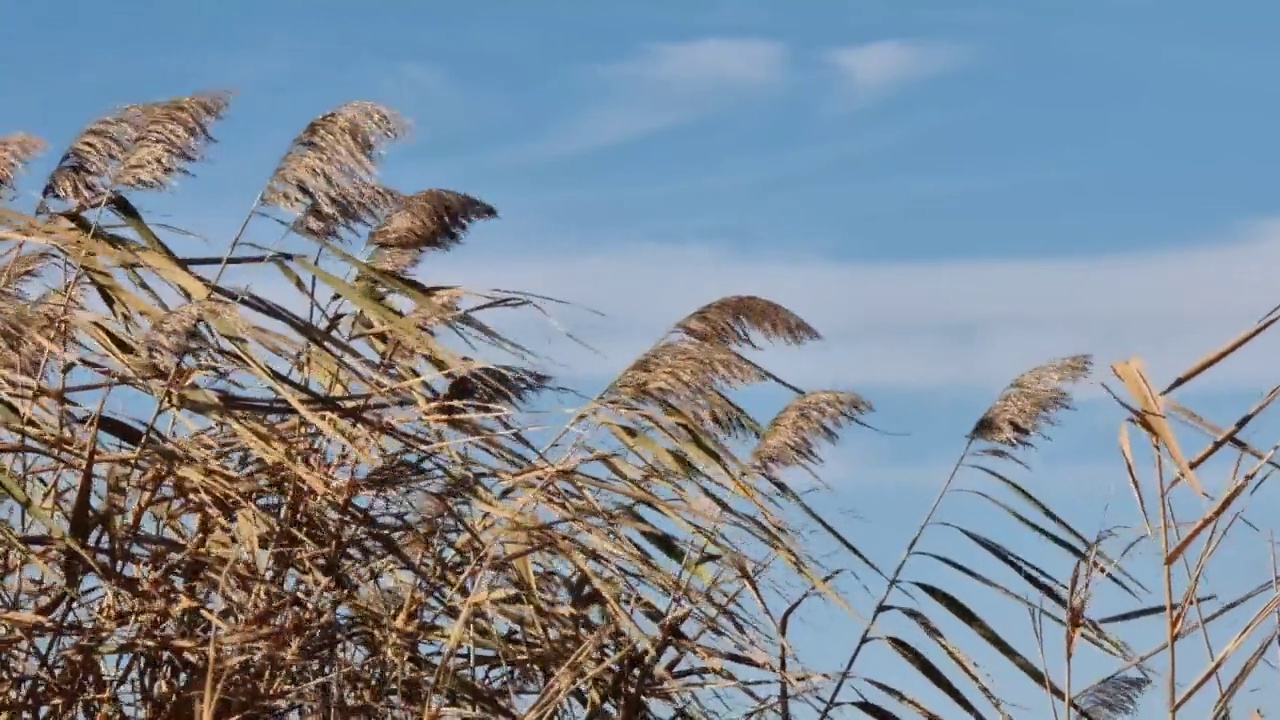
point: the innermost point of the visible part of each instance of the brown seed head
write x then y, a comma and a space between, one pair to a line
792, 438
1028, 405
16, 151
19, 268
22, 329
173, 134
394, 260
81, 177
431, 219
445, 304
684, 370
496, 385
176, 333
731, 320
1116, 697
326, 177
722, 415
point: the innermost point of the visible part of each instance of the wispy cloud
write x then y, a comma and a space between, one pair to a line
669, 84
874, 70
917, 324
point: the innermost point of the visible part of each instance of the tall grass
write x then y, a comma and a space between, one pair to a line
337, 499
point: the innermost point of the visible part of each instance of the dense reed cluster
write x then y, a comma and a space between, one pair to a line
336, 499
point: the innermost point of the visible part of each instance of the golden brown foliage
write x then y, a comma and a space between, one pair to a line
431, 219
1030, 402
220, 506
217, 503
326, 177
16, 150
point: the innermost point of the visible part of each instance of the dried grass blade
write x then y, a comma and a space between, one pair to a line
1153, 418
1226, 436
1220, 354
1229, 651
964, 614
1222, 706
1131, 470
932, 673
1213, 514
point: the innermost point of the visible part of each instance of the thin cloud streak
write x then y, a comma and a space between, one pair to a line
666, 85
873, 71
913, 324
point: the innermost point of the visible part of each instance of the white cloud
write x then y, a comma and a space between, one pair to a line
666, 85
916, 324
873, 70
707, 64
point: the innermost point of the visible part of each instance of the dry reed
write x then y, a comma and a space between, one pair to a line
215, 506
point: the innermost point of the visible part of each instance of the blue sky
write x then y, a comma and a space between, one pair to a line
951, 193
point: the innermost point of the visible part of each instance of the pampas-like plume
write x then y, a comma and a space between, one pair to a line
175, 334
139, 146
81, 176
730, 321
496, 385
445, 304
19, 268
684, 370
21, 328
792, 437
16, 151
326, 177
431, 219
720, 413
1028, 405
1115, 698
394, 260
173, 134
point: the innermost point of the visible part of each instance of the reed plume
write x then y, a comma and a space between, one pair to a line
731, 320
81, 177
430, 220
684, 370
792, 437
327, 176
1026, 408
172, 135
16, 150
139, 146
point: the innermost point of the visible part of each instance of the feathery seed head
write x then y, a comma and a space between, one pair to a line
496, 385
730, 321
1115, 698
431, 219
1027, 406
683, 370
17, 269
22, 328
717, 411
394, 260
792, 437
139, 146
16, 151
445, 305
173, 134
81, 177
176, 333
326, 177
